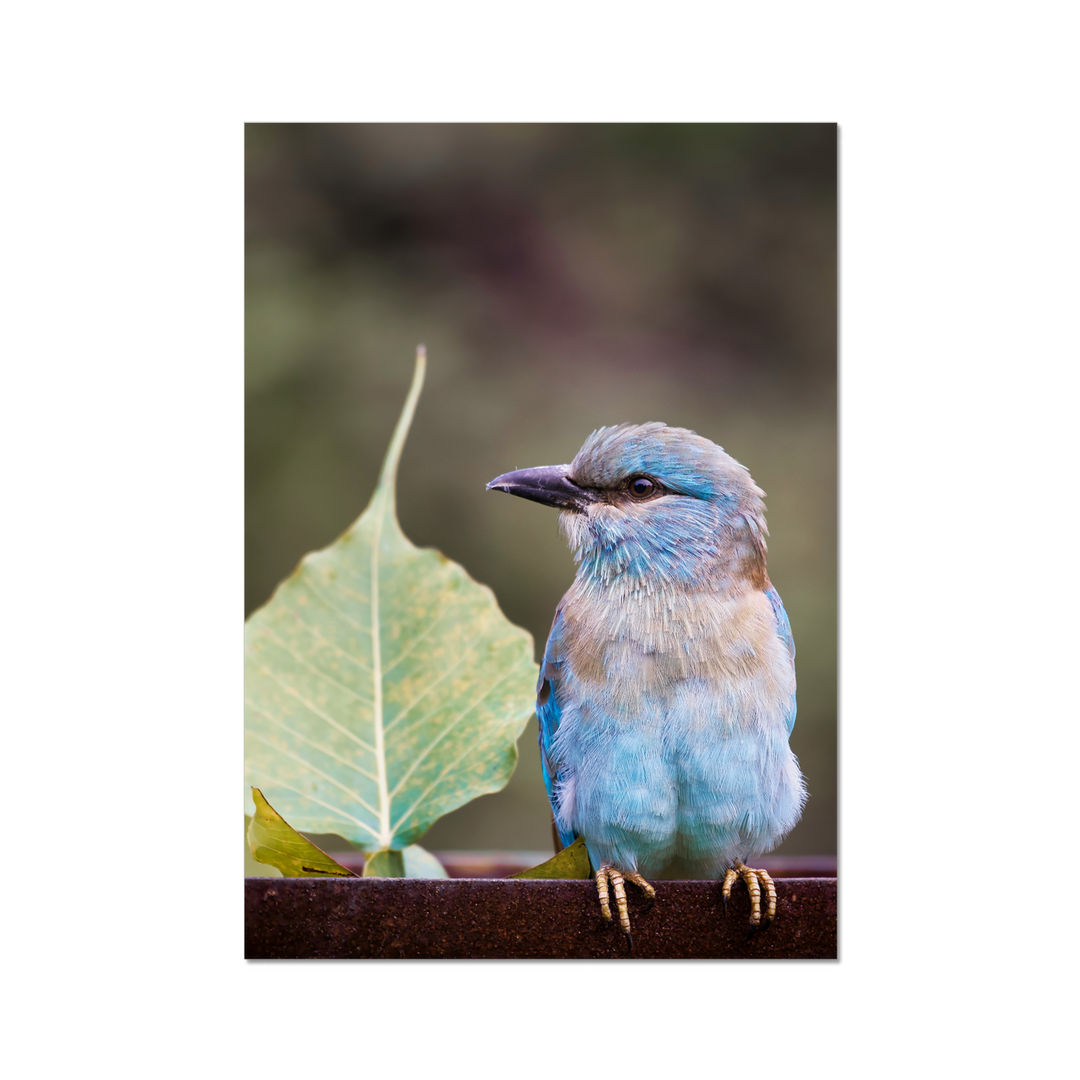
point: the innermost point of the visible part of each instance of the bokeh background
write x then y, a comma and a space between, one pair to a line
563, 277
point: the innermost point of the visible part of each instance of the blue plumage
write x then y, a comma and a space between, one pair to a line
667, 691
547, 714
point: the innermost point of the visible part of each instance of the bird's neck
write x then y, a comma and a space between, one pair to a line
726, 561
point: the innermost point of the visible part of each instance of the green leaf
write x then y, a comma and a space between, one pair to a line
420, 863
385, 864
383, 686
571, 862
251, 867
274, 841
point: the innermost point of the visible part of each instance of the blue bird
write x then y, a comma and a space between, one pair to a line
667, 691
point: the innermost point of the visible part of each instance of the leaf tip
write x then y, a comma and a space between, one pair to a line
388, 476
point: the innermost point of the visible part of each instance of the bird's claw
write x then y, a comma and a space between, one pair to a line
755, 880
617, 879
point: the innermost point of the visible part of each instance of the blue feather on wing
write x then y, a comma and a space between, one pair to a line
783, 628
547, 713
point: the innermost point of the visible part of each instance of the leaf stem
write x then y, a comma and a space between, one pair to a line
388, 476
385, 496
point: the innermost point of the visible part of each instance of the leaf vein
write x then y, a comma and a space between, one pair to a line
313, 768
442, 735
449, 671
333, 607
316, 710
337, 648
303, 738
311, 798
321, 674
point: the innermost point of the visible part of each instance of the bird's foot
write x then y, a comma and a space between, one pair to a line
618, 879
756, 880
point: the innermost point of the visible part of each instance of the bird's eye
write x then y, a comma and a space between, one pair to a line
641, 487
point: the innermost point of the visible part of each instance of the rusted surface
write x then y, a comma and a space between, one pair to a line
399, 918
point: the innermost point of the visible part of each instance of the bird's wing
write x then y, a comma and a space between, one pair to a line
783, 628
547, 713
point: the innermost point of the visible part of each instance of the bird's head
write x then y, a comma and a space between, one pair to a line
653, 503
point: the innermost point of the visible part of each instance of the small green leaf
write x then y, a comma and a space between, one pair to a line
420, 863
571, 862
385, 863
274, 841
383, 685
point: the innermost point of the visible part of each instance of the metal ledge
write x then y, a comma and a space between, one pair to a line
408, 918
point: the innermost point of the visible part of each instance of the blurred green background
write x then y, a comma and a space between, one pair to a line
562, 276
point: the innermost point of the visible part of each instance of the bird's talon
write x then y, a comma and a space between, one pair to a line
645, 887
602, 890
610, 875
756, 881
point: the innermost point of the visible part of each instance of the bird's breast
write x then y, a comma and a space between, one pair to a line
625, 648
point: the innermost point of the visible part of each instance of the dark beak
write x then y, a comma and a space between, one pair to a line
548, 484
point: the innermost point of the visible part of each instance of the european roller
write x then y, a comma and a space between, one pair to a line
667, 691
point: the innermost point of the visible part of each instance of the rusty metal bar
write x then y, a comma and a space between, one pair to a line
402, 918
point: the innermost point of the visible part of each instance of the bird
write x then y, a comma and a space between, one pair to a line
667, 694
